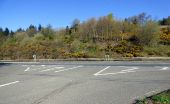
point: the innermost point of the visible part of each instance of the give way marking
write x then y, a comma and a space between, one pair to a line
129, 70
68, 69
39, 67
52, 69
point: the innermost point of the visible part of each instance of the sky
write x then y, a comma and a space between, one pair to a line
60, 13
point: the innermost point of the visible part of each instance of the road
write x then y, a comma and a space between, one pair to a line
81, 82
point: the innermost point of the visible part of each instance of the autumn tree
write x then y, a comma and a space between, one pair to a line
149, 34
141, 19
88, 30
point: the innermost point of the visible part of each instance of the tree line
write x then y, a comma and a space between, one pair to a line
135, 36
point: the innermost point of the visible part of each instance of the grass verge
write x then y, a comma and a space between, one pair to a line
160, 98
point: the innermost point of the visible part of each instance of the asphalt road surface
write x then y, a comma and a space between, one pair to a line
81, 82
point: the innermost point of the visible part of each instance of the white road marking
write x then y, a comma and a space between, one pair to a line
28, 68
120, 72
51, 69
20, 62
39, 67
98, 73
128, 70
8, 83
68, 69
164, 68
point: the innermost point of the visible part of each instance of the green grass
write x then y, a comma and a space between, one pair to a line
161, 98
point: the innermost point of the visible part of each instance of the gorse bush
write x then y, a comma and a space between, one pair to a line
127, 49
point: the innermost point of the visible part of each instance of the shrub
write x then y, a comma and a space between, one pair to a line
128, 55
128, 49
76, 55
168, 54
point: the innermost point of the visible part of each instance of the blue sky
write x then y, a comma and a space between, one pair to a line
60, 13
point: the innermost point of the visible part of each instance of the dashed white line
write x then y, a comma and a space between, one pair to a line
68, 69
8, 83
164, 68
98, 73
51, 69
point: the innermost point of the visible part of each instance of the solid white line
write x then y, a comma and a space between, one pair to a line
68, 69
51, 69
98, 73
20, 62
164, 68
9, 83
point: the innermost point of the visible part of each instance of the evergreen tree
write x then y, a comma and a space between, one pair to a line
20, 30
68, 32
1, 31
75, 25
12, 33
6, 32
39, 27
32, 30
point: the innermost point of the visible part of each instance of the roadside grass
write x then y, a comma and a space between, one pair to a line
160, 51
161, 98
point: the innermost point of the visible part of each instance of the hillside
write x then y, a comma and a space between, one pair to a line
135, 36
